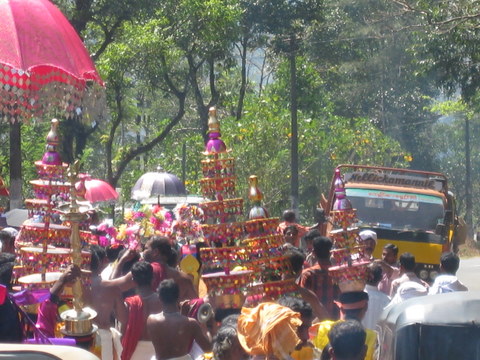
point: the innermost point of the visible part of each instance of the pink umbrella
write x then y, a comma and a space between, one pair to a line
43, 62
95, 190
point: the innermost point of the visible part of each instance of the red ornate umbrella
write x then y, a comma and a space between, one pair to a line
43, 63
95, 190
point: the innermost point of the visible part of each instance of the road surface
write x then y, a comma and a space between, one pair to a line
469, 272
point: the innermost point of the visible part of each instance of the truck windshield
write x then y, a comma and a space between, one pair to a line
397, 210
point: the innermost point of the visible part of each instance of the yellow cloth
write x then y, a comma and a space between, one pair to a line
305, 353
321, 340
268, 329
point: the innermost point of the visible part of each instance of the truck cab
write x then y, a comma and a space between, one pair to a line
411, 209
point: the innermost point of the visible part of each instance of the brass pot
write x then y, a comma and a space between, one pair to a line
78, 323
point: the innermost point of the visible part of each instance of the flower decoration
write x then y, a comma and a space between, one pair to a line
143, 222
128, 235
106, 233
186, 227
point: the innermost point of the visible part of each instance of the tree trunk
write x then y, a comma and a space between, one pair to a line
15, 166
243, 87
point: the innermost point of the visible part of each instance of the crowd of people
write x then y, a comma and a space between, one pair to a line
148, 309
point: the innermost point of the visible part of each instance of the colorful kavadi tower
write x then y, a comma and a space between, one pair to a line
351, 267
44, 239
244, 258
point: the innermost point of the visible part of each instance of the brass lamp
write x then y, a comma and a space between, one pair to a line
78, 321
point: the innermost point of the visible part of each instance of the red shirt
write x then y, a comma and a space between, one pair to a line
317, 279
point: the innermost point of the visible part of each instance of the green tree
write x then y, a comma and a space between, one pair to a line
260, 141
174, 56
371, 73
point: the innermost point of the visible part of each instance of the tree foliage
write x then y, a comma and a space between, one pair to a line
367, 73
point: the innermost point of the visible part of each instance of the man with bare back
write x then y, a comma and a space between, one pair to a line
171, 332
105, 298
136, 341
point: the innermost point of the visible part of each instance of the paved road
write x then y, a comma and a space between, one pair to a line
469, 273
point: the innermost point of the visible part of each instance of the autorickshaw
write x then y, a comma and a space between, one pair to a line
432, 327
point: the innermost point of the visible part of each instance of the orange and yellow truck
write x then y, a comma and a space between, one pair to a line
411, 209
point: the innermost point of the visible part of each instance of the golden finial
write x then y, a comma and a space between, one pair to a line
254, 193
213, 124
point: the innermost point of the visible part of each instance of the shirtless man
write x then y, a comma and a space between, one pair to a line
157, 252
172, 333
136, 340
105, 298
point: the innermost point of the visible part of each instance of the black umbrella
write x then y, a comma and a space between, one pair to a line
159, 183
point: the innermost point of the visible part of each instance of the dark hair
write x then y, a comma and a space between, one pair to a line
98, 254
296, 258
311, 234
221, 314
113, 251
173, 258
374, 272
168, 291
292, 228
407, 260
392, 247
128, 265
230, 320
199, 246
5, 235
223, 341
347, 338
351, 297
352, 314
322, 246
142, 273
6, 268
450, 262
289, 215
297, 305
162, 244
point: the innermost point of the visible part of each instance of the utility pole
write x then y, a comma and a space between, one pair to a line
294, 125
468, 180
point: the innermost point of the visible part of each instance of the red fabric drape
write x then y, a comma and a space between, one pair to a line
135, 326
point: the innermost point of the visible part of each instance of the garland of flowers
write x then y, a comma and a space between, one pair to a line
187, 228
142, 222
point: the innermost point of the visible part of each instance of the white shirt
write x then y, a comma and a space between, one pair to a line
446, 283
406, 277
377, 300
408, 290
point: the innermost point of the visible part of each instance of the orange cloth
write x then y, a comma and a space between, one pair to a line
268, 329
